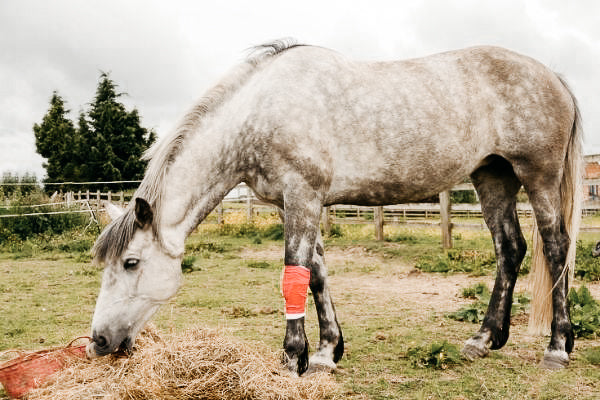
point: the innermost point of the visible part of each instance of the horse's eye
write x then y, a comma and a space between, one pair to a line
131, 263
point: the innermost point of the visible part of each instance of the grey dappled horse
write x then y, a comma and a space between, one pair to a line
306, 127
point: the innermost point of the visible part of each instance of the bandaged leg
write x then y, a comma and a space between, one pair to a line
294, 288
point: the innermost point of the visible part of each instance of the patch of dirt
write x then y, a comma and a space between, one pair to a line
390, 280
431, 292
271, 253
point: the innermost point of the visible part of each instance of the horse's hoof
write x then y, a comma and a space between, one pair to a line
474, 349
555, 359
320, 364
290, 365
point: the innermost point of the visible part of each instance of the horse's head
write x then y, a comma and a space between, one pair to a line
139, 275
596, 251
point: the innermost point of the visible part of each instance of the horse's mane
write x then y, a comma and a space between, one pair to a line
117, 235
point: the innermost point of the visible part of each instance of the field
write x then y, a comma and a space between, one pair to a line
391, 313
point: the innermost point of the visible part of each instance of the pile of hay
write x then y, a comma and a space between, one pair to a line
198, 364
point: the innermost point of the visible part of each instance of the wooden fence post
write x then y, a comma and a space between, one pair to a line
378, 217
445, 223
249, 206
326, 222
121, 199
220, 220
109, 196
87, 195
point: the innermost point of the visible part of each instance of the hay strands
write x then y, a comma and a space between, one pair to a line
198, 363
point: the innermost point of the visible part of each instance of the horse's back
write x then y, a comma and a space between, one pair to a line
404, 130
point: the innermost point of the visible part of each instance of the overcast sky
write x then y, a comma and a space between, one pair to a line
165, 54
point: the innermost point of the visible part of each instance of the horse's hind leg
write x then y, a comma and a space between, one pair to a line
331, 342
497, 187
544, 195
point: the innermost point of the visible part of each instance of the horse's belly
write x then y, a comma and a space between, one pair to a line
396, 175
370, 191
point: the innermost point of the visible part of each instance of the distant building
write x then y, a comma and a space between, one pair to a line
591, 189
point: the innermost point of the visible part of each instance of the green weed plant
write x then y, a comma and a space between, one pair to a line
587, 267
585, 313
475, 312
437, 356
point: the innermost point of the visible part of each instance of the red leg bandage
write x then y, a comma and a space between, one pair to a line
294, 288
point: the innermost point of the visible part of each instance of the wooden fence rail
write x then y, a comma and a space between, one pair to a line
422, 213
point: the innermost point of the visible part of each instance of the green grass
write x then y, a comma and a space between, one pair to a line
47, 297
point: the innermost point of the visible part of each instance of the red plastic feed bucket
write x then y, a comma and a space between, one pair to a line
28, 371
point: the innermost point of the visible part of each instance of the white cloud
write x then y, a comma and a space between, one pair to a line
165, 54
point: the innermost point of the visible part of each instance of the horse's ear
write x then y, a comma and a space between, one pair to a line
112, 210
143, 212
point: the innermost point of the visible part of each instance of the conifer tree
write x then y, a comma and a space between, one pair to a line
107, 145
53, 138
118, 139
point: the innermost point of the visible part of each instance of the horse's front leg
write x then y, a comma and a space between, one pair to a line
331, 342
301, 223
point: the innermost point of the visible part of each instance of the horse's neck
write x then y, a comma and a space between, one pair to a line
197, 181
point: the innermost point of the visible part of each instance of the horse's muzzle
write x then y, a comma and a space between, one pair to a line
102, 345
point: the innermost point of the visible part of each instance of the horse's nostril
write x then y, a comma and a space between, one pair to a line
100, 341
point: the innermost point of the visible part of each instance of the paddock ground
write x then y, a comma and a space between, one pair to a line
385, 306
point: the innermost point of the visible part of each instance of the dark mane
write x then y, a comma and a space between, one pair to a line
271, 49
117, 235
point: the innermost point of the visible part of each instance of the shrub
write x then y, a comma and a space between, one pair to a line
475, 312
251, 230
585, 313
201, 247
468, 261
28, 226
336, 231
476, 292
463, 196
587, 267
592, 355
187, 264
77, 246
437, 356
28, 185
402, 238
273, 232
239, 230
77, 242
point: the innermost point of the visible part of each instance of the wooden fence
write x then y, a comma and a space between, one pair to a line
429, 214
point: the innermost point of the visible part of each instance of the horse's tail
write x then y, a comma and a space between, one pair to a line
571, 196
